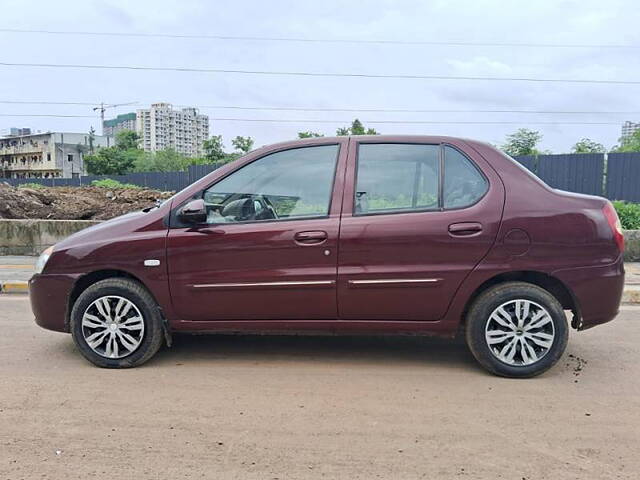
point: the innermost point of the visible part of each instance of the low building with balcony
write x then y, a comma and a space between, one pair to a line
47, 155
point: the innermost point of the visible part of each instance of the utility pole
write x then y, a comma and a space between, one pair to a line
103, 106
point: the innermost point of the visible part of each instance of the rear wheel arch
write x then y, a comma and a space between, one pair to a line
551, 284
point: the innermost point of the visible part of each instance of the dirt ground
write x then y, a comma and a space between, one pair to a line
316, 407
74, 203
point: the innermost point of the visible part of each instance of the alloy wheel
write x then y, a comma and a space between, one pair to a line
519, 332
113, 326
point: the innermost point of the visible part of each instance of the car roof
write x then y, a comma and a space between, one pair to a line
371, 138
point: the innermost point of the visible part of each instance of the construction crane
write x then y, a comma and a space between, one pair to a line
103, 106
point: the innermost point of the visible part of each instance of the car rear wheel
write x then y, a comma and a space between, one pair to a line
115, 323
516, 329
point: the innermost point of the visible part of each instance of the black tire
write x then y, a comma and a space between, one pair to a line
133, 291
479, 315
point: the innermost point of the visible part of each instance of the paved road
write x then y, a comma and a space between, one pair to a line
296, 408
16, 267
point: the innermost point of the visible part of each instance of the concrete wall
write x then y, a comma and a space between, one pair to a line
31, 237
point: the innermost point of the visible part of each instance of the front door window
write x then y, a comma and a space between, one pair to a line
292, 184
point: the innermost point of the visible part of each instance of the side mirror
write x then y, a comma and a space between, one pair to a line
193, 212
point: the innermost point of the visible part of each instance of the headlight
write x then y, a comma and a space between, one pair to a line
42, 260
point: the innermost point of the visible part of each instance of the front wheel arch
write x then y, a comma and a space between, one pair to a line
89, 279
107, 320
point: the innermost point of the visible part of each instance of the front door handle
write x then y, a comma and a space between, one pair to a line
313, 237
465, 229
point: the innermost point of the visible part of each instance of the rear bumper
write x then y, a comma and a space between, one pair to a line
597, 291
49, 296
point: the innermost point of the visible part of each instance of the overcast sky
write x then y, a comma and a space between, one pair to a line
551, 22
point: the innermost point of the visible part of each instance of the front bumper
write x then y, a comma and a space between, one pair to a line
597, 291
49, 296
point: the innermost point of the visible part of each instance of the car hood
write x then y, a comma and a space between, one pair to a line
115, 228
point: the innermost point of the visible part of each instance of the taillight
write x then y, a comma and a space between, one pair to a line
614, 222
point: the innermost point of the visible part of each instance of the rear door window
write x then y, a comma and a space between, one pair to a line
397, 178
463, 183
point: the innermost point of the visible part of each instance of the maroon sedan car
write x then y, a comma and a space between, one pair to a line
370, 234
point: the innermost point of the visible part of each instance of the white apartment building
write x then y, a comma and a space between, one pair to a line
161, 127
46, 155
628, 129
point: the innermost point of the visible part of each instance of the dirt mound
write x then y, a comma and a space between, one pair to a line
74, 203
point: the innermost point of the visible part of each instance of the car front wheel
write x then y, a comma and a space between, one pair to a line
517, 330
115, 323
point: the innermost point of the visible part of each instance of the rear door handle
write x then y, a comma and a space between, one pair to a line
313, 237
465, 229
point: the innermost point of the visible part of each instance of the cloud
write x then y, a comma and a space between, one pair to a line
550, 21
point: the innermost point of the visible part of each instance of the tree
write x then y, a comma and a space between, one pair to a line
629, 144
167, 160
116, 160
244, 144
92, 139
522, 142
110, 161
127, 140
356, 128
309, 134
587, 145
213, 149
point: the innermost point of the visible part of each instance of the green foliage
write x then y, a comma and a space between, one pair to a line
214, 149
309, 134
112, 161
163, 161
33, 186
629, 214
110, 183
356, 128
629, 144
243, 144
116, 160
587, 145
127, 140
126, 157
522, 142
92, 139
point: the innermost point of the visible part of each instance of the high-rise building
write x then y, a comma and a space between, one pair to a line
126, 121
628, 129
47, 155
161, 127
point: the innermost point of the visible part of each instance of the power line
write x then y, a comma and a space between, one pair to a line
28, 102
350, 109
400, 110
409, 122
346, 121
317, 74
54, 115
319, 40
